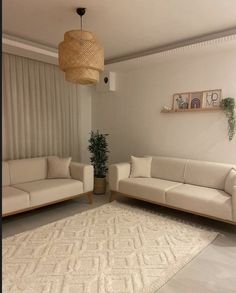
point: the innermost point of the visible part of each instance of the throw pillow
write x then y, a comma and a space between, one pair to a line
58, 167
140, 167
230, 181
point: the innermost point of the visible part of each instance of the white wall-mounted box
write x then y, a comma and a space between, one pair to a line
107, 82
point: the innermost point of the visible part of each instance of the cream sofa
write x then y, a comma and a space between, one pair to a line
26, 187
188, 185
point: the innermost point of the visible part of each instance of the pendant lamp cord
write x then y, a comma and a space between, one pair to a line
81, 11
81, 28
81, 23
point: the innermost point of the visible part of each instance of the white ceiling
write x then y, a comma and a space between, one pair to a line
123, 26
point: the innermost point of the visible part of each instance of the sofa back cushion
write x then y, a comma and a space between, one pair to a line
208, 174
5, 174
26, 170
167, 168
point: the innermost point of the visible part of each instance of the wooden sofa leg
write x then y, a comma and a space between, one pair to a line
90, 197
112, 195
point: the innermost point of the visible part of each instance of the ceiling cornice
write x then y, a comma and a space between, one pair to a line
18, 46
25, 48
174, 45
20, 42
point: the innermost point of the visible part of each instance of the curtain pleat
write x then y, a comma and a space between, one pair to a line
40, 110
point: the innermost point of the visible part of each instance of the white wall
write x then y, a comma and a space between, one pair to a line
132, 117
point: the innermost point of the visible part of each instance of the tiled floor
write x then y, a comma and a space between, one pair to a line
213, 270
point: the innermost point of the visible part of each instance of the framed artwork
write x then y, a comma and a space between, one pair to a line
195, 100
211, 98
181, 100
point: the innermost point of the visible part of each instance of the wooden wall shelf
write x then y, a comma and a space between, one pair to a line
192, 110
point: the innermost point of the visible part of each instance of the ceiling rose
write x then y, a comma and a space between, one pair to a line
81, 56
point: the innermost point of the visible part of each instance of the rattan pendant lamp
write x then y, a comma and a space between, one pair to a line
81, 56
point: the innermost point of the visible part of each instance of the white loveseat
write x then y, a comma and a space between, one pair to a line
25, 185
188, 185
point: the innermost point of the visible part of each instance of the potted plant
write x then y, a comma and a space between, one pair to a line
98, 148
228, 106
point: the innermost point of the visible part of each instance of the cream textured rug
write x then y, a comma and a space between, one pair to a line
111, 249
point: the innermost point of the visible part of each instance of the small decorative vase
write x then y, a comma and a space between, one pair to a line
99, 185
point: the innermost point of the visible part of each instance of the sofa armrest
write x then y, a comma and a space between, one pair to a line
234, 203
84, 173
118, 172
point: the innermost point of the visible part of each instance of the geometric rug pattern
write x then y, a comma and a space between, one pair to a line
114, 248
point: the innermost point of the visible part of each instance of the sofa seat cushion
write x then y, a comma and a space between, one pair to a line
14, 199
207, 201
49, 190
152, 189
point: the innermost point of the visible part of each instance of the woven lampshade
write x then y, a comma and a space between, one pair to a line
81, 57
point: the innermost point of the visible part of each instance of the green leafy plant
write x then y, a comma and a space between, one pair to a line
228, 106
98, 148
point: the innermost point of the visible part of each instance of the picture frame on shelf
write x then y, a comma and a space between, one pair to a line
195, 100
181, 101
211, 98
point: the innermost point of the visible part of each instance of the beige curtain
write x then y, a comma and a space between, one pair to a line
40, 110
